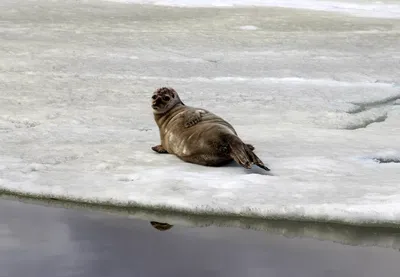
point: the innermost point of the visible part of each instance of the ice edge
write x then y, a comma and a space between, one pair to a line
133, 205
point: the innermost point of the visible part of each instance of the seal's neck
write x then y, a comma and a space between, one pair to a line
162, 118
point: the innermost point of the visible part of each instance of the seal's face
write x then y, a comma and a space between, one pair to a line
164, 99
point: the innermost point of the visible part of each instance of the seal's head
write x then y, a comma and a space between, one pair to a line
164, 99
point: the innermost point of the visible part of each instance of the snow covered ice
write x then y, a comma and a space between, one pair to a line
316, 92
387, 9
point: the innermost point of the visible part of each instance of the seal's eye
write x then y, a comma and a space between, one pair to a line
154, 97
166, 98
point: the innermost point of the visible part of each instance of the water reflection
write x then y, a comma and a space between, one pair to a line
161, 226
347, 235
50, 241
344, 234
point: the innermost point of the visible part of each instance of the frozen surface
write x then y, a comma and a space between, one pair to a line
388, 9
316, 94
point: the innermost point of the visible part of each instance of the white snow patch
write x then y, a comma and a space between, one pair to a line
387, 157
248, 27
33, 167
358, 8
241, 79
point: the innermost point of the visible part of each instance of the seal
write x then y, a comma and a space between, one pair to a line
196, 135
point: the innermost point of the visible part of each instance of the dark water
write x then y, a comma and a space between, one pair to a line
45, 241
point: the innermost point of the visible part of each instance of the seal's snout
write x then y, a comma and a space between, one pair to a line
164, 99
156, 100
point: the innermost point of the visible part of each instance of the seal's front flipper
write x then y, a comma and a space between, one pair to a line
193, 117
159, 149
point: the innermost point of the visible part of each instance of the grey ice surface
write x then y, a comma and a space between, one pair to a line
39, 241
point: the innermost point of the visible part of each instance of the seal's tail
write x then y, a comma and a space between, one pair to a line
243, 153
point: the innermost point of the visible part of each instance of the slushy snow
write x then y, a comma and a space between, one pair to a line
317, 96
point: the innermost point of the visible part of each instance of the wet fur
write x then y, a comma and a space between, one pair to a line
198, 136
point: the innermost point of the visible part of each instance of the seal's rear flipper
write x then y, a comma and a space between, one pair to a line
250, 146
243, 154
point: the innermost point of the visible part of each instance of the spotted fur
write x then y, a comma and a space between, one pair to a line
196, 135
